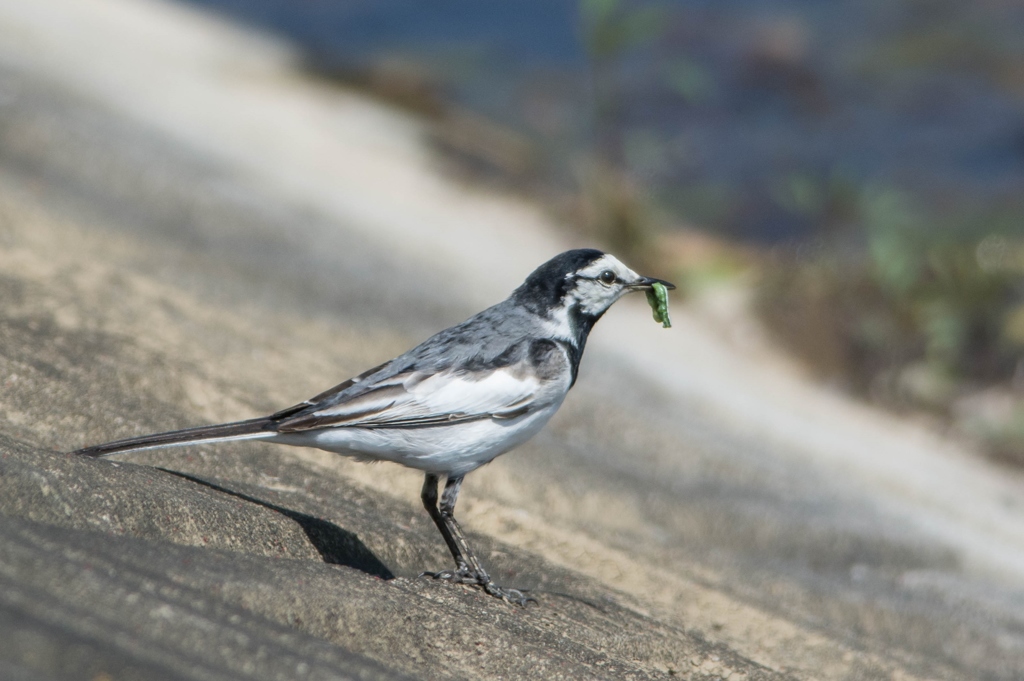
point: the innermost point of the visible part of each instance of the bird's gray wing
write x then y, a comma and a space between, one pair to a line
419, 399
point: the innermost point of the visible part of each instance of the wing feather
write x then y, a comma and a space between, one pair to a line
418, 400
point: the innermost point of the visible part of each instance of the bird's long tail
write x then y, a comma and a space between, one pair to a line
224, 432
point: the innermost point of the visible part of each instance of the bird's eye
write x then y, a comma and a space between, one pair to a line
607, 277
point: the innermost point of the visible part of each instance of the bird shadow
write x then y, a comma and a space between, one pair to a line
334, 544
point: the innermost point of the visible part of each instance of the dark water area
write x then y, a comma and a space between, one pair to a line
766, 120
538, 31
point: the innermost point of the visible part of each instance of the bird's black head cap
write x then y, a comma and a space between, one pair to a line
548, 284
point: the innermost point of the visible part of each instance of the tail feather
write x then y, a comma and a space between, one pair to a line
238, 430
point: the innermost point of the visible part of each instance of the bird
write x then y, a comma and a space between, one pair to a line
454, 402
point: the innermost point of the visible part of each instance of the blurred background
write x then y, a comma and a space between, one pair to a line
855, 166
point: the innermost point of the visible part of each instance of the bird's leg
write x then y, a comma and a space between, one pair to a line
469, 571
429, 498
450, 495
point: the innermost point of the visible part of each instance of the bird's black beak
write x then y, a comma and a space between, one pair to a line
648, 282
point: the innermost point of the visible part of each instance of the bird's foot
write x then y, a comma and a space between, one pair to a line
466, 575
514, 596
462, 575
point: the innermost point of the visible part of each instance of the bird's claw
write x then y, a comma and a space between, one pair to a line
465, 575
514, 596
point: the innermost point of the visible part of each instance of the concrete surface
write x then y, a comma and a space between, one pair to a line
192, 232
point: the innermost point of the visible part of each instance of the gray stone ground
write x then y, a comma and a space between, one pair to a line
144, 287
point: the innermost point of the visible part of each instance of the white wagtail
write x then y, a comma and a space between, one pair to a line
457, 400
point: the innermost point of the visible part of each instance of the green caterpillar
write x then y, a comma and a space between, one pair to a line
657, 298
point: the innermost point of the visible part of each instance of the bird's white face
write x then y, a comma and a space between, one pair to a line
600, 284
